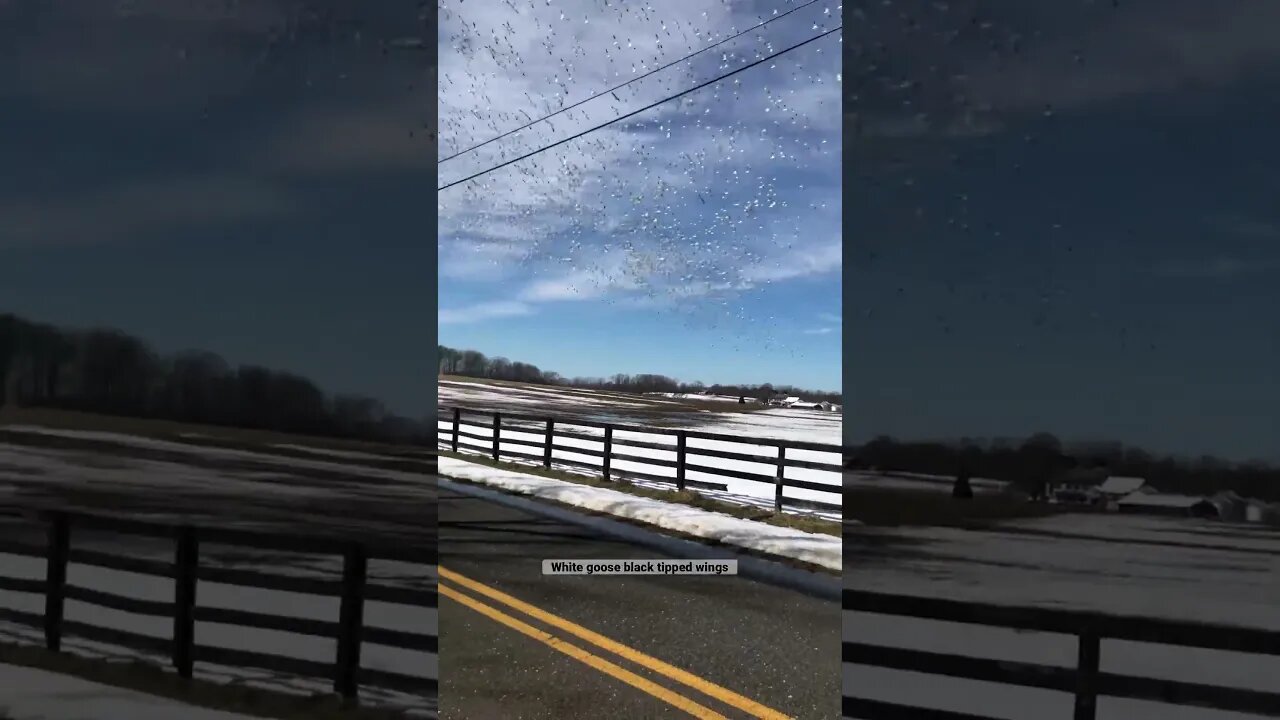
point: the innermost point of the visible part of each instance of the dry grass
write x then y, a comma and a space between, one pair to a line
153, 680
687, 497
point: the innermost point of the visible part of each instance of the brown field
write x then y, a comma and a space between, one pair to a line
515, 397
211, 435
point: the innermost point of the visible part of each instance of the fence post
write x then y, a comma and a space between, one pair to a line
497, 432
546, 453
346, 680
1087, 675
782, 470
608, 449
55, 588
185, 564
680, 440
457, 421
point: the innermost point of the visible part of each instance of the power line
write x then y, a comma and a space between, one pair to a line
633, 113
618, 87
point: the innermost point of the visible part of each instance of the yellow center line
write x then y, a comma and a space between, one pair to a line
702, 685
577, 653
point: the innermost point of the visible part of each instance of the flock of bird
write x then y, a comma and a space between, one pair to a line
685, 206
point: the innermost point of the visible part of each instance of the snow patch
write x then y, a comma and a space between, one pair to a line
814, 548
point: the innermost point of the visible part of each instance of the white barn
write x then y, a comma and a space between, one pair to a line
1118, 486
1151, 503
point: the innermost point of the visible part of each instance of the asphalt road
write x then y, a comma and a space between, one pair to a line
750, 648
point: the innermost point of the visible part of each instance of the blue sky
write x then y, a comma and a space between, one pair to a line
700, 240
247, 179
1082, 236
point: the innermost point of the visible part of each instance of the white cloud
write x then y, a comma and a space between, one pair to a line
611, 273
480, 260
831, 324
569, 287
483, 311
811, 260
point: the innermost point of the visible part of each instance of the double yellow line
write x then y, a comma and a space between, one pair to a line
607, 667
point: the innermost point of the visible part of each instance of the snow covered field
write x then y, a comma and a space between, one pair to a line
1173, 569
567, 405
813, 426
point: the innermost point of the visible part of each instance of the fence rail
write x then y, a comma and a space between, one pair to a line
1085, 681
182, 647
551, 429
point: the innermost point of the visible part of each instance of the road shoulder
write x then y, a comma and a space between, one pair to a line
808, 562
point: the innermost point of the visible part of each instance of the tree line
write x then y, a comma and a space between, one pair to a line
1041, 459
104, 370
473, 363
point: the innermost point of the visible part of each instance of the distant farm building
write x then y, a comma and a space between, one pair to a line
1231, 506
1077, 495
1134, 496
1151, 503
1257, 511
1263, 513
704, 395
1116, 487
791, 401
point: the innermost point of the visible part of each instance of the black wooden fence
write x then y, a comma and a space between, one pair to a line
183, 647
1085, 681
461, 418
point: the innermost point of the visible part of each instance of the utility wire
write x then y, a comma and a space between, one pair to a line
619, 87
633, 113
